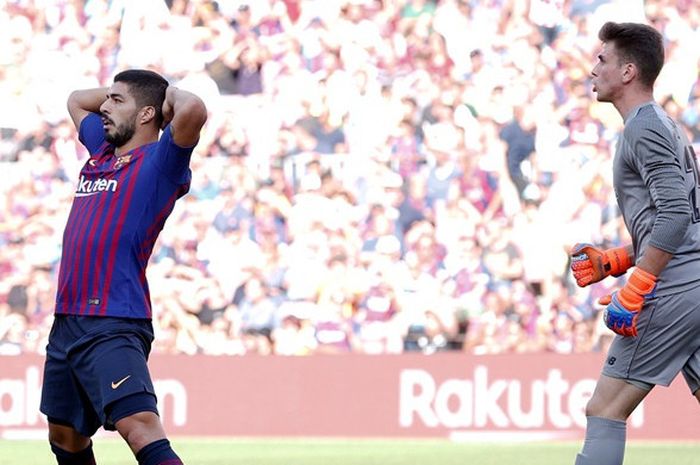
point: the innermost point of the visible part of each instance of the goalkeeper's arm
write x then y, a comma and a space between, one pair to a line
654, 260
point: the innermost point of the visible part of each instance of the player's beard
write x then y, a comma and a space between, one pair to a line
121, 134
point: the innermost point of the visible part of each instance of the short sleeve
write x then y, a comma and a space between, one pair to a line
173, 160
92, 133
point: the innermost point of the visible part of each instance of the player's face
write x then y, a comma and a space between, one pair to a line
119, 114
607, 74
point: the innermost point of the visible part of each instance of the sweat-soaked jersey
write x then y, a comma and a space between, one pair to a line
657, 185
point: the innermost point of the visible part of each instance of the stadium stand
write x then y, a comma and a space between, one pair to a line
375, 176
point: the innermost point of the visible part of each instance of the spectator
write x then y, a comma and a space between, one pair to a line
519, 135
375, 176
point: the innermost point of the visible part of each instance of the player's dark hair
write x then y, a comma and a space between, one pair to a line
639, 44
147, 88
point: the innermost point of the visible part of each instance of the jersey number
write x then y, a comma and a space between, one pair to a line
691, 166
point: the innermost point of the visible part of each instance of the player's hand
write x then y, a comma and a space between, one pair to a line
590, 264
623, 307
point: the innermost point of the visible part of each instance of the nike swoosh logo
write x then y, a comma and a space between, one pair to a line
119, 383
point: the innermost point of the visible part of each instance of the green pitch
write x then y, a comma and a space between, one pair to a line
355, 452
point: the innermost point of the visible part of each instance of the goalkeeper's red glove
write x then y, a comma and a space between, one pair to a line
591, 264
623, 306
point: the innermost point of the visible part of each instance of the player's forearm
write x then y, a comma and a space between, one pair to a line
88, 99
186, 114
654, 260
179, 101
629, 249
83, 102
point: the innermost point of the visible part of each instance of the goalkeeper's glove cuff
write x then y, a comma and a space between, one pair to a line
617, 261
641, 285
623, 307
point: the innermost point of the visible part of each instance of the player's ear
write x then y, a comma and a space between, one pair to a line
629, 72
146, 115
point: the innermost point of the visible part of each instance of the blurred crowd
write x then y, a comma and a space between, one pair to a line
376, 176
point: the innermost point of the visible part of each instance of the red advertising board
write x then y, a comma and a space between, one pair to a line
509, 397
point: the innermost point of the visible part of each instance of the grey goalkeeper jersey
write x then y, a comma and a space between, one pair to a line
657, 185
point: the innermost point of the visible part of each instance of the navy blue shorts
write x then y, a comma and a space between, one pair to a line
91, 362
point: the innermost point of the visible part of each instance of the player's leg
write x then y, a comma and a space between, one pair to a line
668, 336
607, 411
613, 400
112, 366
145, 435
136, 418
67, 438
140, 429
69, 446
71, 417
691, 373
616, 398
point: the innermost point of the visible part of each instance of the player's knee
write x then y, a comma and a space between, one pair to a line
598, 408
592, 412
67, 438
140, 429
136, 419
593, 408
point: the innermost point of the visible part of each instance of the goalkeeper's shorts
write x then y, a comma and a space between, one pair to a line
668, 342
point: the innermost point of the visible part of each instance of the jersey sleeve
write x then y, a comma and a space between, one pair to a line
92, 134
171, 159
654, 156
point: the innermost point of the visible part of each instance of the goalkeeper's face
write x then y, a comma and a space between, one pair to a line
609, 74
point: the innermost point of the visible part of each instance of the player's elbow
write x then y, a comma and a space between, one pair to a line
670, 228
196, 110
74, 101
199, 112
683, 220
72, 97
188, 122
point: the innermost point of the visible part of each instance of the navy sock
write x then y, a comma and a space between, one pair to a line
158, 453
63, 457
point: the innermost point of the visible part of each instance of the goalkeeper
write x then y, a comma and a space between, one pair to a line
656, 314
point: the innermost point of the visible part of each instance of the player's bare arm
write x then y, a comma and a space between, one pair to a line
654, 260
83, 102
186, 114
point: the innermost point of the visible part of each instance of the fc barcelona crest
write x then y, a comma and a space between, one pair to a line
121, 161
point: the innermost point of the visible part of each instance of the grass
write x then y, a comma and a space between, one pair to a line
356, 452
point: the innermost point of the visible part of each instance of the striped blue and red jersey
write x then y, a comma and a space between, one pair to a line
120, 206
